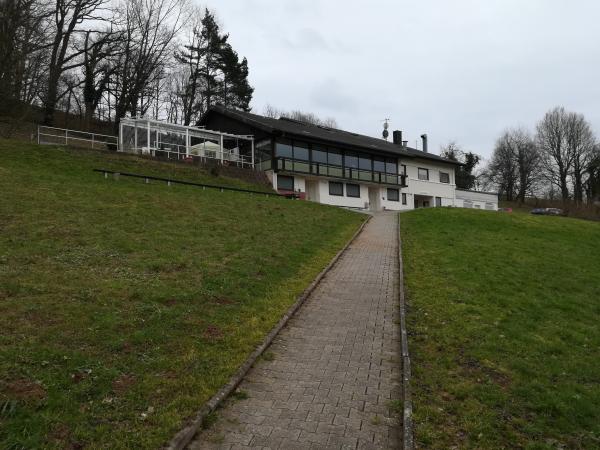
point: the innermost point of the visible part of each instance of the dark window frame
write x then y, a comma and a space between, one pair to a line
353, 186
447, 175
336, 183
404, 199
279, 177
419, 174
397, 194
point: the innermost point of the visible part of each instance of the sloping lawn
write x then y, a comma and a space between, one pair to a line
125, 306
504, 323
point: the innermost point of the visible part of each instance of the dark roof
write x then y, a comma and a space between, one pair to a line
291, 127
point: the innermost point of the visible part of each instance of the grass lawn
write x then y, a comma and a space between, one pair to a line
504, 323
125, 306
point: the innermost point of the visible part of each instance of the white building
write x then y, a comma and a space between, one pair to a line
336, 167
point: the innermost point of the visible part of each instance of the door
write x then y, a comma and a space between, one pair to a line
374, 199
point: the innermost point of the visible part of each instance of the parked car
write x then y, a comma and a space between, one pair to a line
547, 211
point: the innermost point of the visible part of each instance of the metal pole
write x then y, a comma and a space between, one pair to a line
252, 143
148, 137
187, 142
92, 140
38, 134
66, 137
221, 149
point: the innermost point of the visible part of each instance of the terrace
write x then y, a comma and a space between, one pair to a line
179, 142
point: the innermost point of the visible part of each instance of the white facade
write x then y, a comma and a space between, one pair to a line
420, 192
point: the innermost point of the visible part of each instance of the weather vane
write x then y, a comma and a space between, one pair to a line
385, 128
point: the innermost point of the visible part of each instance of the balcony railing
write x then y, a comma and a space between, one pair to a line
348, 173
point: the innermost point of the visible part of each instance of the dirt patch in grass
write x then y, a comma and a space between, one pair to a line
123, 384
24, 389
212, 333
222, 300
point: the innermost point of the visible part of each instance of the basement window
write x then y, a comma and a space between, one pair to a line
336, 188
285, 183
352, 190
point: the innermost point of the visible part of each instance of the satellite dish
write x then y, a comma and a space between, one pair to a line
385, 133
385, 128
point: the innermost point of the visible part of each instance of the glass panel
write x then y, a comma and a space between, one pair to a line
391, 165
365, 176
351, 160
319, 155
285, 183
364, 162
301, 151
378, 164
284, 149
391, 179
301, 166
334, 157
335, 172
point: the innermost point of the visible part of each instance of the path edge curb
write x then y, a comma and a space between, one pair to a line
186, 434
407, 424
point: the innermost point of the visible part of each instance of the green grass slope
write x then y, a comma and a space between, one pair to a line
504, 321
125, 306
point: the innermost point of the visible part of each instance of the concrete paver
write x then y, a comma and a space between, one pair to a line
336, 364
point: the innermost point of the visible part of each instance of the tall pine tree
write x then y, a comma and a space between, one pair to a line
215, 74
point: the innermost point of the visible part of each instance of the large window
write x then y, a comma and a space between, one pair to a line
444, 177
319, 155
283, 149
378, 164
334, 157
285, 183
351, 160
336, 188
300, 151
352, 190
364, 162
393, 195
423, 174
391, 165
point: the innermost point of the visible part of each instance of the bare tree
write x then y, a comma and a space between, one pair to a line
556, 154
149, 28
581, 143
515, 165
300, 116
69, 15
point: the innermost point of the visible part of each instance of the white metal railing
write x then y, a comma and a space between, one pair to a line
62, 136
178, 152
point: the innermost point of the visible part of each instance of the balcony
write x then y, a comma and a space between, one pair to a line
346, 173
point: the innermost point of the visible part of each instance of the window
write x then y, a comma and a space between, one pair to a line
403, 198
423, 174
391, 165
444, 177
336, 188
351, 160
283, 149
438, 201
285, 183
334, 157
300, 151
364, 162
393, 195
353, 190
319, 155
378, 164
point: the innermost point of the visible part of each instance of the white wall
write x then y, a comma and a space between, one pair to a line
350, 202
474, 199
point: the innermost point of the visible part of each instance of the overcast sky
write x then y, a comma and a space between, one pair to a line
459, 70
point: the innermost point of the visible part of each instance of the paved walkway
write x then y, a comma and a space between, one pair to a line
335, 366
